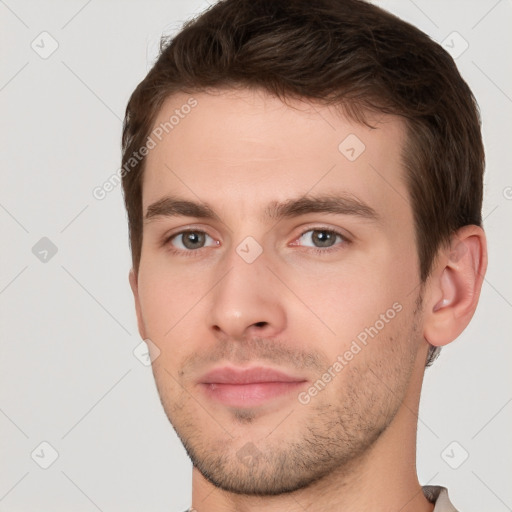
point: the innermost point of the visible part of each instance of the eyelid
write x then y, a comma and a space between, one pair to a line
168, 235
177, 235
347, 237
323, 251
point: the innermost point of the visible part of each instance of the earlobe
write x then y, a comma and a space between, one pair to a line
455, 286
133, 278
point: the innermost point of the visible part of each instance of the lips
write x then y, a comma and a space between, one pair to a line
229, 375
238, 387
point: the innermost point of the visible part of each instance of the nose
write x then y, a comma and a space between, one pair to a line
246, 301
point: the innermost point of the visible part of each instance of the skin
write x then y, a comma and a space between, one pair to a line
352, 446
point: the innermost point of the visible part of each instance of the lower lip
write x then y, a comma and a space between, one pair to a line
249, 395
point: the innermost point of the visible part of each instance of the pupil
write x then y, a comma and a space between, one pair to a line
192, 240
324, 238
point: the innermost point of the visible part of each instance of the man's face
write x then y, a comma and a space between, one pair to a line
327, 298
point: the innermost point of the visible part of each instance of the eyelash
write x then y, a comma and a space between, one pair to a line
316, 250
326, 250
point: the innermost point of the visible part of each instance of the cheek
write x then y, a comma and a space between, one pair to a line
164, 298
174, 303
353, 297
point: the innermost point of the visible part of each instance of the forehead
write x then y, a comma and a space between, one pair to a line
245, 148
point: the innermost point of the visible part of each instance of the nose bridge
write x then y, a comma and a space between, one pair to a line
244, 298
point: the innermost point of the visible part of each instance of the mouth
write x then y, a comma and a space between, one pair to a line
238, 387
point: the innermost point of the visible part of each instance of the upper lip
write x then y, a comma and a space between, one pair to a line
230, 375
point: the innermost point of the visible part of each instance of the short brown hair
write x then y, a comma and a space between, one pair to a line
347, 53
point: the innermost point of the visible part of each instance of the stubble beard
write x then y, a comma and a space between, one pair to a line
329, 437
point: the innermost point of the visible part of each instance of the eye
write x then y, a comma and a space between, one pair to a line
321, 238
190, 240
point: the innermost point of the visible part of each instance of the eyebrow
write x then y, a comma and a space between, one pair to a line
338, 204
171, 206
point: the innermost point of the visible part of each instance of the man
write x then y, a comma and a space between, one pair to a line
303, 181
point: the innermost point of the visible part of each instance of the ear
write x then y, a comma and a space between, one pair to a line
133, 278
454, 286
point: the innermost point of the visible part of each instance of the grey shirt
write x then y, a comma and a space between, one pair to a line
438, 495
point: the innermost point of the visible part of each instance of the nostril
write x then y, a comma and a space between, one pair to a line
260, 324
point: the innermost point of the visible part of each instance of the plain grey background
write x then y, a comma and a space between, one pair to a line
69, 378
